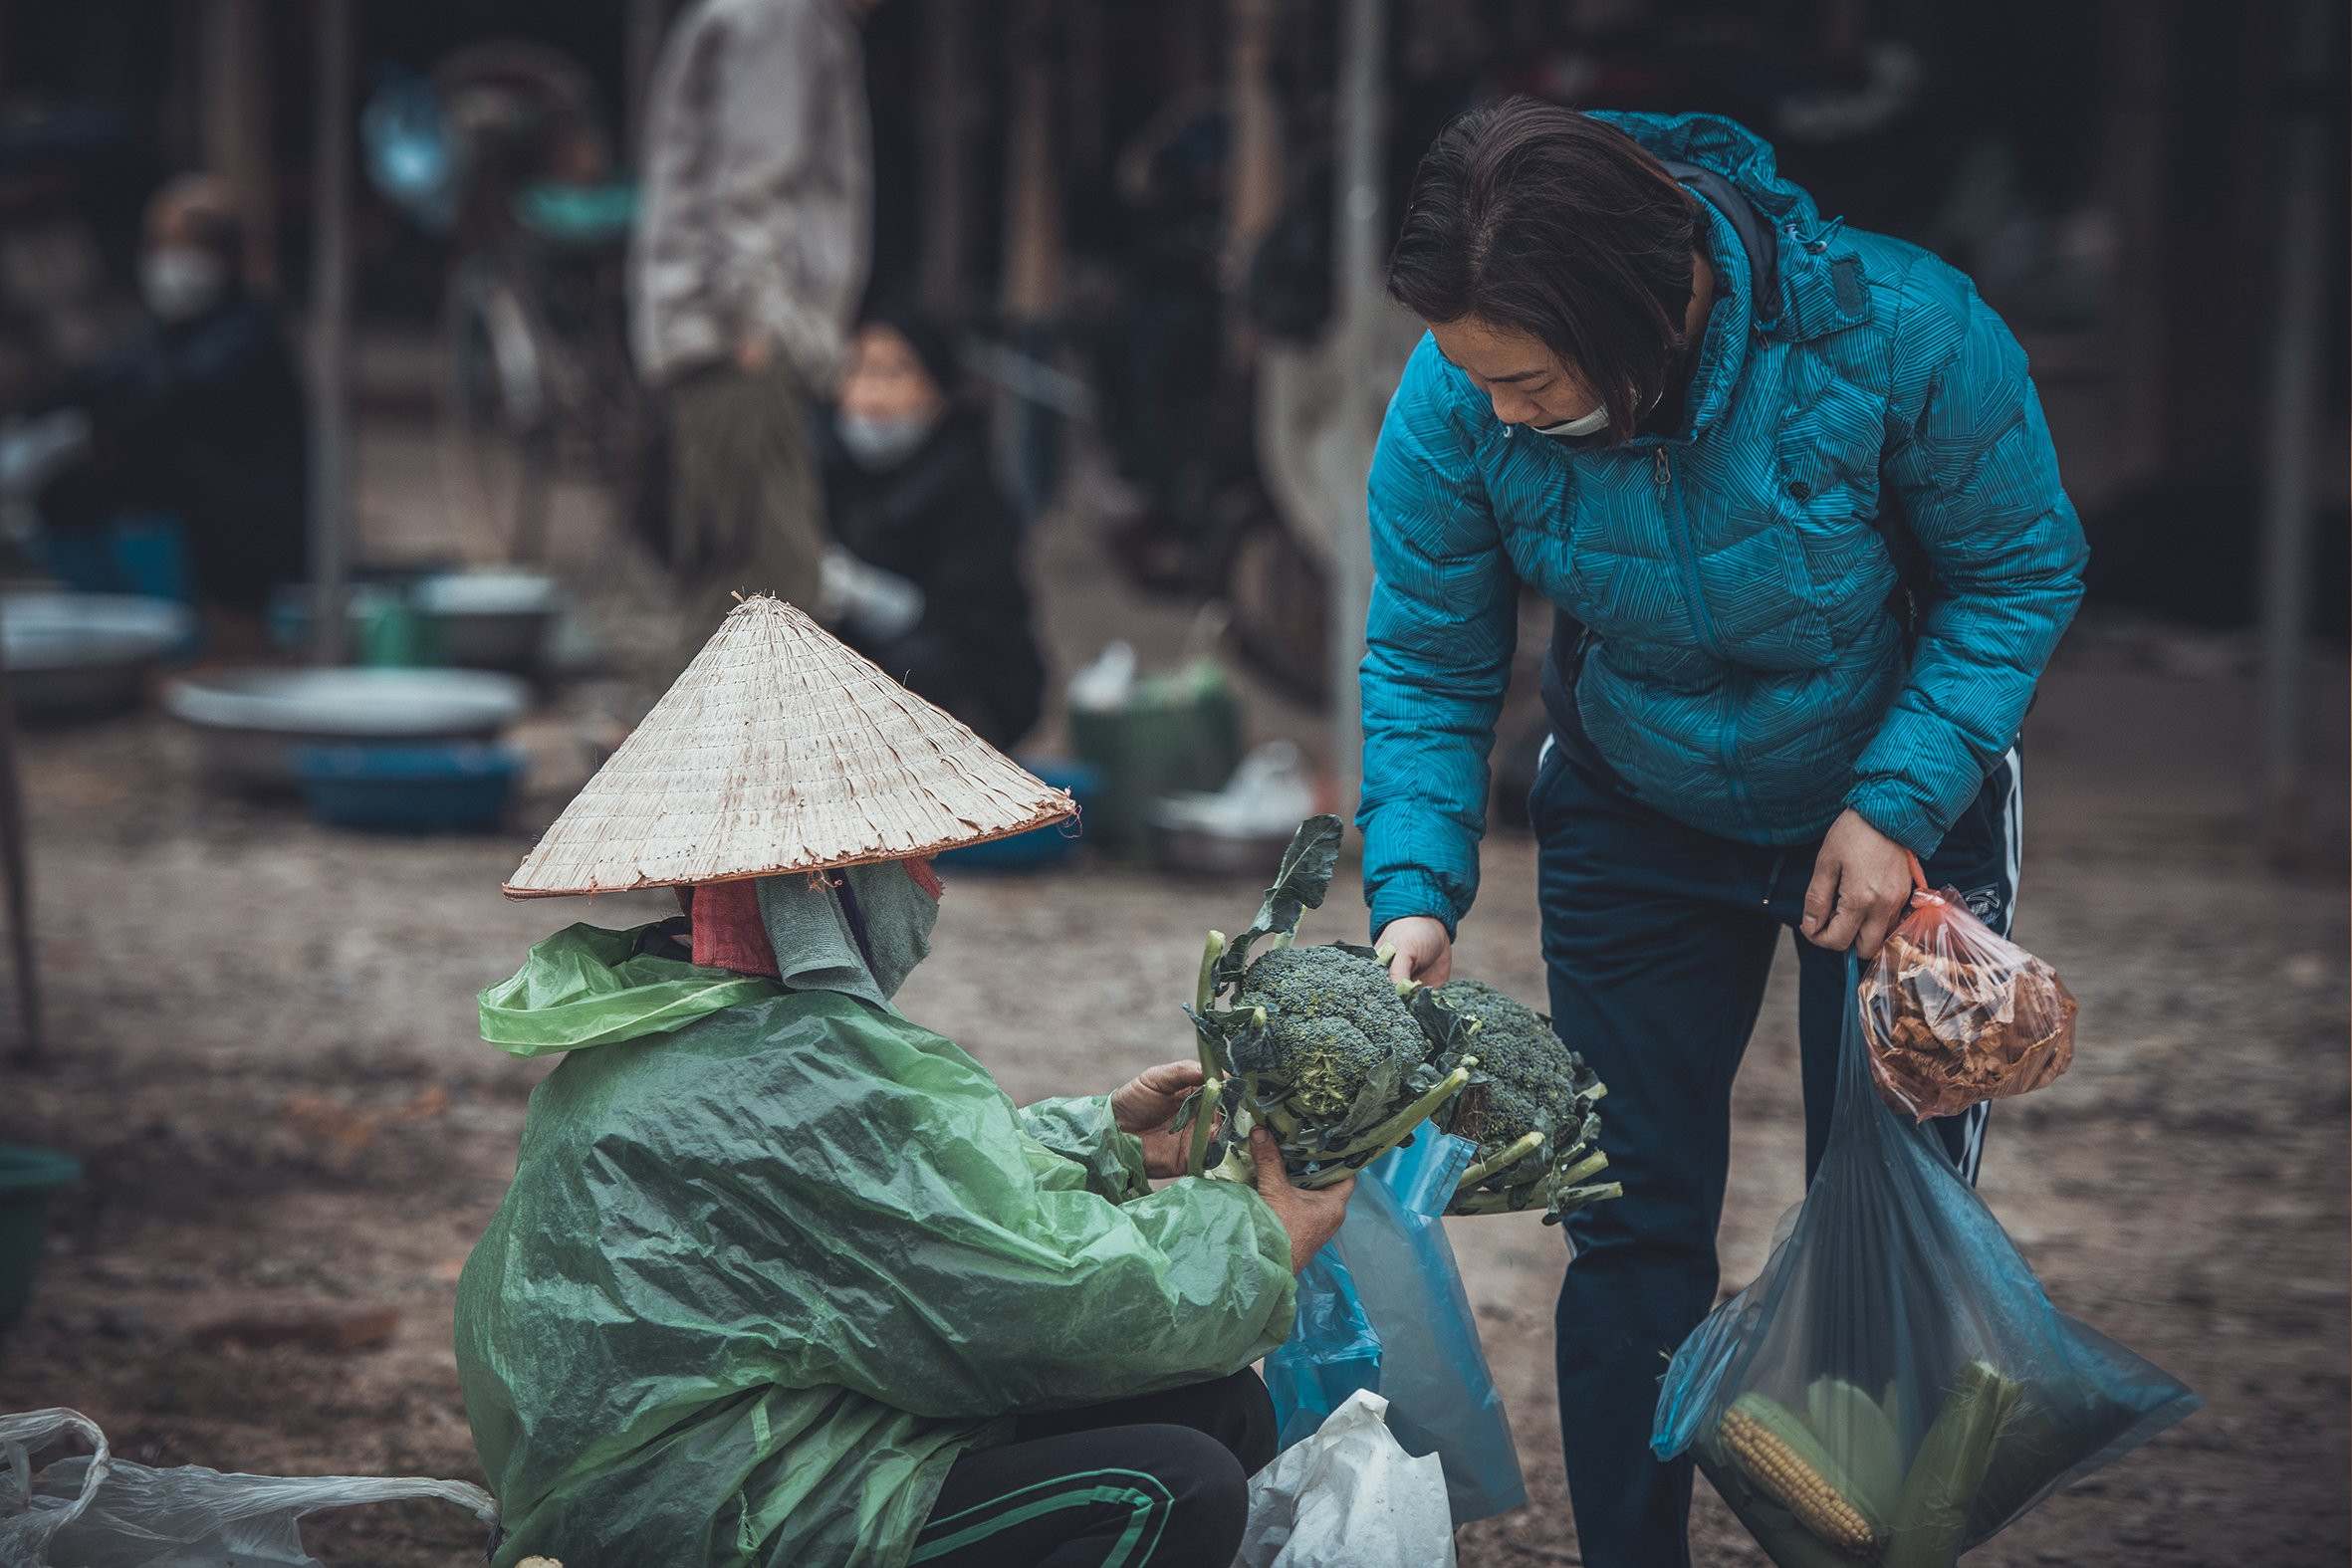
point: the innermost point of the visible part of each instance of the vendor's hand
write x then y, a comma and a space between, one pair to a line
755, 353
1862, 886
1310, 1218
1144, 1106
1423, 950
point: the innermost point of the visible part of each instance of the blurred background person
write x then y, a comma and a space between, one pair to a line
199, 419
926, 578
745, 270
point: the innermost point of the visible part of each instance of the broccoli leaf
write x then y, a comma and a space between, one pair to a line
1299, 884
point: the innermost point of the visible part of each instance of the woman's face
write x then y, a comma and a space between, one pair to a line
1526, 382
886, 381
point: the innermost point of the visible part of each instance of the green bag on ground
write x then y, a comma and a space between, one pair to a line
759, 1281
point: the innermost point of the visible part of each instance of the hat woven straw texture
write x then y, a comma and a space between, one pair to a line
780, 749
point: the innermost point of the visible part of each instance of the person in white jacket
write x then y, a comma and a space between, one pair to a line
745, 270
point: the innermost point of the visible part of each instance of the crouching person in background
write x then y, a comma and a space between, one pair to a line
785, 1277
926, 577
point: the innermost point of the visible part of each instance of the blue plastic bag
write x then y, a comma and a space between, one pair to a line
1330, 1354
1898, 1346
1433, 1369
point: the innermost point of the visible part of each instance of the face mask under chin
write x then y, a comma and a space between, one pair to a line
878, 444
180, 283
1575, 429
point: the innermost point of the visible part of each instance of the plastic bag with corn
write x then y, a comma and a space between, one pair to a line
1895, 1388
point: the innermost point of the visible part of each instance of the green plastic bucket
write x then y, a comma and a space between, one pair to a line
27, 1178
1181, 732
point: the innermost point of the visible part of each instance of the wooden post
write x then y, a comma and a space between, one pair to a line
235, 122
1031, 287
331, 325
1255, 194
2139, 174
2287, 424
946, 170
31, 1047
642, 24
1360, 239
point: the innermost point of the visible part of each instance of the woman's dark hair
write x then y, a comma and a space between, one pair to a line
1537, 219
932, 338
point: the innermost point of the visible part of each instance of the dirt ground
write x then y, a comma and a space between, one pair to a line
266, 1059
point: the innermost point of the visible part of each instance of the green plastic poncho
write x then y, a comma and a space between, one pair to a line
762, 1279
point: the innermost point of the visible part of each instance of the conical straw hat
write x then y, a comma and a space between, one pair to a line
780, 749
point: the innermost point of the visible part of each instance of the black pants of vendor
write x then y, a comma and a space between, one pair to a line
1659, 939
1161, 1480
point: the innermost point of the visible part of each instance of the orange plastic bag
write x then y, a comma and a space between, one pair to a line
1956, 1014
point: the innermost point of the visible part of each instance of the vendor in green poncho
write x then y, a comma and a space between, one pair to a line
784, 1278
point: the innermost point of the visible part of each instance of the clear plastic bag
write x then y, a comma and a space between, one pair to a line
1957, 1014
1433, 1369
1350, 1497
1895, 1388
101, 1511
1330, 1354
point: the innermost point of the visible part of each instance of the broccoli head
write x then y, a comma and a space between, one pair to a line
1532, 1114
1333, 1024
1317, 1043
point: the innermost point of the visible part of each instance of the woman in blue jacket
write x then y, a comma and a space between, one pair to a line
1789, 489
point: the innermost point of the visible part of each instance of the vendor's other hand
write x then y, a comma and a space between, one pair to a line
1144, 1106
1862, 886
1310, 1218
1423, 950
755, 353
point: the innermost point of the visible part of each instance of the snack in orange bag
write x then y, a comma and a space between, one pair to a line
1956, 1014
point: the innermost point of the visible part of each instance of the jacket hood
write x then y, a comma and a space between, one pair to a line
586, 986
1817, 276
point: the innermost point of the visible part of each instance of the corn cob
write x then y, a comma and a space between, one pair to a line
1930, 1518
1761, 1445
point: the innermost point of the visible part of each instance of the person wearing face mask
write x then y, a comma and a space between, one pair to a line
1789, 488
201, 418
926, 578
785, 1277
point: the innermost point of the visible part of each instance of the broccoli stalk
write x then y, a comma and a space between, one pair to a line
1396, 1129
1502, 1159
1204, 1109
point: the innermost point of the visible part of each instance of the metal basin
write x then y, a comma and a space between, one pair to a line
84, 653
496, 621
247, 722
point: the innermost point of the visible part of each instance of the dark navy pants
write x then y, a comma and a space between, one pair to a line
1659, 939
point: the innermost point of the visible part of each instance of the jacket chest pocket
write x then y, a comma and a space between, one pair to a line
1825, 455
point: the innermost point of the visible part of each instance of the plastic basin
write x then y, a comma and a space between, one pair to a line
70, 653
462, 788
248, 721
27, 1177
1040, 847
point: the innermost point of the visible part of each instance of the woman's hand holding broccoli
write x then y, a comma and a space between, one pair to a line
1144, 1106
1311, 1216
1421, 950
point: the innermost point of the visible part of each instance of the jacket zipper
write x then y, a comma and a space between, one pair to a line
1685, 556
1685, 559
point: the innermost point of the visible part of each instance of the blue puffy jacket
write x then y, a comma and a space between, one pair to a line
1745, 674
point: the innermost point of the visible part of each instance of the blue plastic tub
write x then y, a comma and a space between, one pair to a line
27, 1177
458, 787
1040, 847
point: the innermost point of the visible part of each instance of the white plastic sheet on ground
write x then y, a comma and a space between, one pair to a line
101, 1511
1350, 1497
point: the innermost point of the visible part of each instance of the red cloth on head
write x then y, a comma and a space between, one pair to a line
728, 931
925, 878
